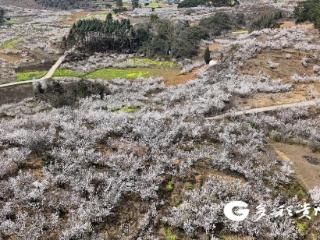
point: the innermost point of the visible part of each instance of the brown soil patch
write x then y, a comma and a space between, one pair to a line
75, 16
125, 223
214, 47
36, 165
121, 145
287, 24
306, 171
11, 58
292, 24
202, 172
301, 92
288, 66
173, 78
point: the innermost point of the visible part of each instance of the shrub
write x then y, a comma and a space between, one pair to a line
267, 20
60, 93
308, 10
119, 10
217, 24
191, 3
173, 40
221, 22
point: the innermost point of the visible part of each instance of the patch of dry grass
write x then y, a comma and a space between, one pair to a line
307, 171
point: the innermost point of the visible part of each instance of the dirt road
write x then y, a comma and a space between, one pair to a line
47, 76
266, 109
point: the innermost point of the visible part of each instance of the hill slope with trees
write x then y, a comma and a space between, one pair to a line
156, 38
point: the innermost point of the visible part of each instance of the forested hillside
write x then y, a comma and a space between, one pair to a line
156, 38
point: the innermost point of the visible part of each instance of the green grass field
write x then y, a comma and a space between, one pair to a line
24, 76
111, 73
107, 74
68, 73
11, 44
151, 62
147, 62
138, 68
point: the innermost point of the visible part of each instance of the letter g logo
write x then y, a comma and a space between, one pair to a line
241, 213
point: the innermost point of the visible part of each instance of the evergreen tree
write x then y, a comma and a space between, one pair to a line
157, 38
94, 35
109, 18
1, 16
207, 56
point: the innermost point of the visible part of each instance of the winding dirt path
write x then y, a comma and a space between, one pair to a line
266, 109
47, 76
